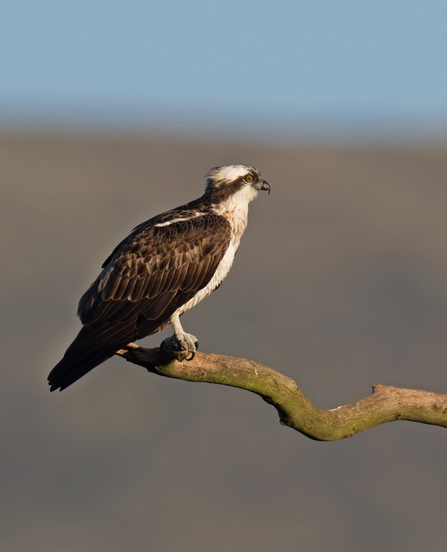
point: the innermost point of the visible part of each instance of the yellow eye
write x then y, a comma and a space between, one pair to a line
249, 178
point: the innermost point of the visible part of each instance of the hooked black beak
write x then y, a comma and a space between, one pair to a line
264, 185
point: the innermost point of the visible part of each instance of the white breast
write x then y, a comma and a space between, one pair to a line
235, 210
222, 270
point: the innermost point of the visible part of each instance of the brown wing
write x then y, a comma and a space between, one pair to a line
147, 278
155, 268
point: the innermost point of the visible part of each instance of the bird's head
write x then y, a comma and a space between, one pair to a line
223, 182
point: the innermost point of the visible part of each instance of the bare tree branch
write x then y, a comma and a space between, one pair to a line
386, 404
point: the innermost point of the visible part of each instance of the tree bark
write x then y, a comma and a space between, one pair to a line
385, 404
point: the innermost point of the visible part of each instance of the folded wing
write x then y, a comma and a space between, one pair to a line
151, 274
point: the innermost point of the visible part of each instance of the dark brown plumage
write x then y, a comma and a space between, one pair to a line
153, 273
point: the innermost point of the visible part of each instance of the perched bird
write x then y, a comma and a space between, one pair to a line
163, 268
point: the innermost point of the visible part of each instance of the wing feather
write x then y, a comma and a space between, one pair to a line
141, 289
204, 266
190, 280
169, 263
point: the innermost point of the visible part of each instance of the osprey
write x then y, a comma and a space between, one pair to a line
163, 268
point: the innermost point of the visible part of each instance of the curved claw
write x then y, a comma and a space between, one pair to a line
193, 354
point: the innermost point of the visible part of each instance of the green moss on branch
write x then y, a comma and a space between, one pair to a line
386, 404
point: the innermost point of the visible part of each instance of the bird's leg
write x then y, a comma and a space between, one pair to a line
180, 337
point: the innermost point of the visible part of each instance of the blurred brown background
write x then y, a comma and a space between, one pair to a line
340, 283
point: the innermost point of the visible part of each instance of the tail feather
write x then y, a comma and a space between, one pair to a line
91, 347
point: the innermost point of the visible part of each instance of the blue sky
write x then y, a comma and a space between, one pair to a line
319, 61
